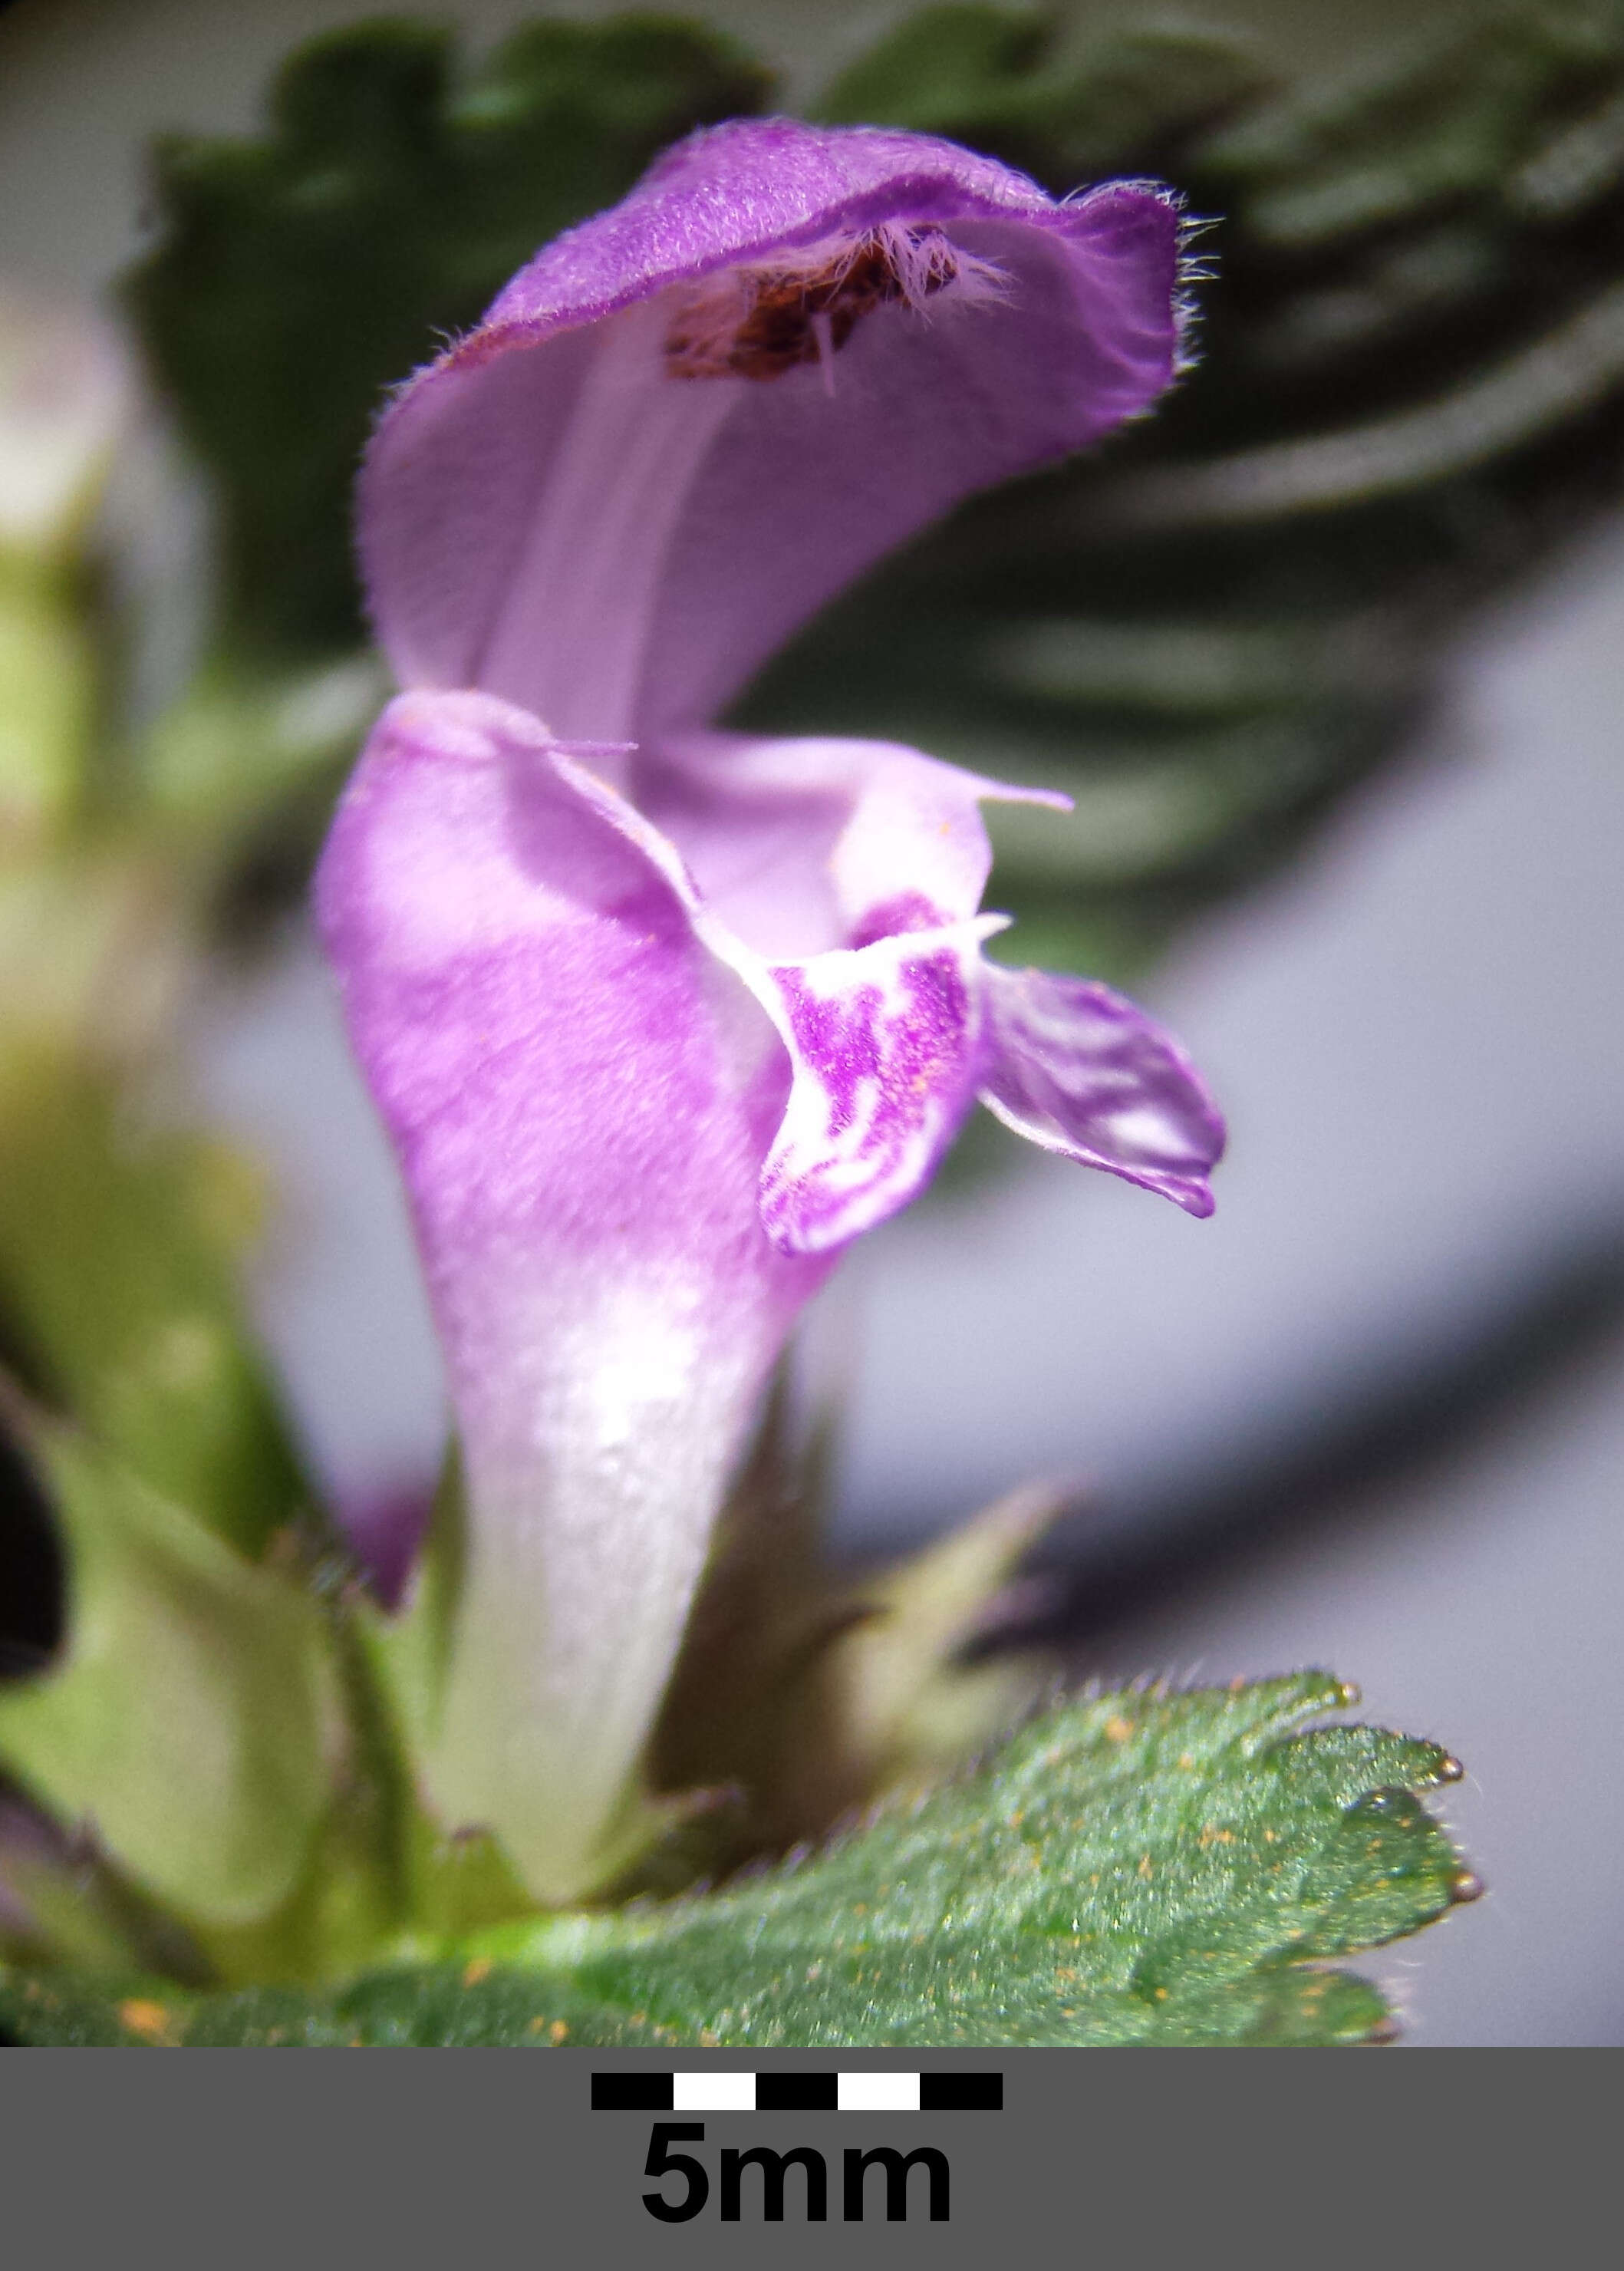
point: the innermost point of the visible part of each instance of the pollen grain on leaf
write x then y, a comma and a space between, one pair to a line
149, 2020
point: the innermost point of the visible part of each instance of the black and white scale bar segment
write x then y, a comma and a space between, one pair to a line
874, 2089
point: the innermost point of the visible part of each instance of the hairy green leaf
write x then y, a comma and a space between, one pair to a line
1132, 1868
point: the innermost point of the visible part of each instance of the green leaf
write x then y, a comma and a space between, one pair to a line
241, 742
48, 685
299, 275
60, 1901
1134, 1868
1131, 1868
438, 2007
192, 1723
1057, 97
119, 1239
1489, 112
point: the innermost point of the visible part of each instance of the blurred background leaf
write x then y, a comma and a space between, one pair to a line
119, 1243
300, 274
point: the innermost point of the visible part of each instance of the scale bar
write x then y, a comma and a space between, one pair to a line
865, 2090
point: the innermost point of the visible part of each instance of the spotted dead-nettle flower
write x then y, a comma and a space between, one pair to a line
660, 1017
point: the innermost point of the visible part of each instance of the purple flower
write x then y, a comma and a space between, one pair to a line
660, 1017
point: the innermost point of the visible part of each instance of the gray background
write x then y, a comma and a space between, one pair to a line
1148, 2156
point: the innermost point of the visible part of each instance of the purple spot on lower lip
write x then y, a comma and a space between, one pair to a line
839, 1037
892, 1060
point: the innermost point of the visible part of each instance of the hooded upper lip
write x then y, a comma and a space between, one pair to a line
554, 513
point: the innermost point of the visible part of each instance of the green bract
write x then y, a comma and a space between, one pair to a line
194, 1718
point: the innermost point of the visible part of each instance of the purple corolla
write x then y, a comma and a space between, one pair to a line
660, 1017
